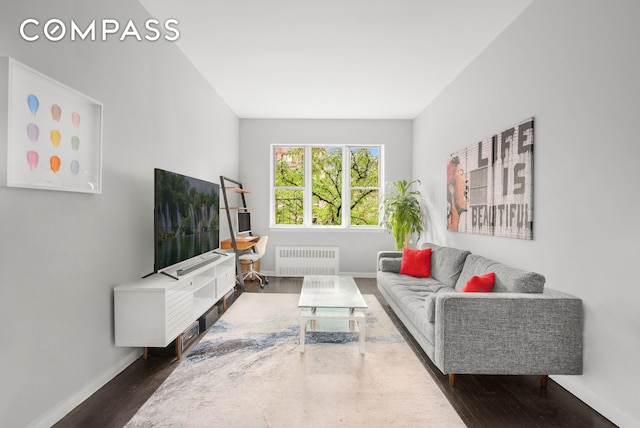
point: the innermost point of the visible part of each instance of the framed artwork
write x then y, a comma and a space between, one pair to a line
54, 134
490, 185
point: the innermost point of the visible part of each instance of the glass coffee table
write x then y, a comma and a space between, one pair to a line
331, 303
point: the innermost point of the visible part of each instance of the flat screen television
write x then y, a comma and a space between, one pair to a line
244, 223
186, 218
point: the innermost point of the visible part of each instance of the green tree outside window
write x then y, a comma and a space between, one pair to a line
328, 183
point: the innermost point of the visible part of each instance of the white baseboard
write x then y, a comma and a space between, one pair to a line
60, 410
614, 414
353, 274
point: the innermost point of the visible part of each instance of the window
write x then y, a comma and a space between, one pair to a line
364, 188
289, 185
326, 186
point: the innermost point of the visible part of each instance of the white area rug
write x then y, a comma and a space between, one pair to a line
248, 372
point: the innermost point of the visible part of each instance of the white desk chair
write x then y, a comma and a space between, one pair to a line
261, 247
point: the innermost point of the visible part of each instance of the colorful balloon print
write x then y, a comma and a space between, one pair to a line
56, 112
75, 142
33, 132
75, 167
54, 161
75, 119
32, 159
34, 104
55, 138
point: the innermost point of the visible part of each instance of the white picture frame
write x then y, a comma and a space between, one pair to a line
54, 134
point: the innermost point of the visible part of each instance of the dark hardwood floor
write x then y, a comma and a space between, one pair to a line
481, 401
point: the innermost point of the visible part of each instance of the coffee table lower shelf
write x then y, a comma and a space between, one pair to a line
332, 320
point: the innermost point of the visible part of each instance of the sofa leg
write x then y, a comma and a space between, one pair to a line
544, 379
452, 379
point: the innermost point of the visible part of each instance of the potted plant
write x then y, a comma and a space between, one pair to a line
402, 215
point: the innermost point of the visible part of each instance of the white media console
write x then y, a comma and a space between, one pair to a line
155, 310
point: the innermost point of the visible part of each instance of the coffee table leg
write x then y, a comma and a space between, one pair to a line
361, 345
352, 322
303, 326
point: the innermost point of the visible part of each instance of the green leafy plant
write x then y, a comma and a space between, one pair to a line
402, 215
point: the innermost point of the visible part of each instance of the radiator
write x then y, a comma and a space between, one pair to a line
300, 261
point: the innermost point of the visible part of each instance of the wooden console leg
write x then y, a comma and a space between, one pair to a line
145, 352
224, 304
179, 347
452, 379
544, 379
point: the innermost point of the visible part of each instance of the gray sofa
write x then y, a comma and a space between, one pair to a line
520, 328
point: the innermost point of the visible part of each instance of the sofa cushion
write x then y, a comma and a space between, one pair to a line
409, 293
480, 284
390, 264
507, 279
390, 281
446, 263
416, 262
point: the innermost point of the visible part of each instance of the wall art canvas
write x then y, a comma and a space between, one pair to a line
54, 134
490, 185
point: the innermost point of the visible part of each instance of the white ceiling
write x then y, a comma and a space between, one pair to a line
337, 59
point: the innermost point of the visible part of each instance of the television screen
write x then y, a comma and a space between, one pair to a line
186, 218
244, 222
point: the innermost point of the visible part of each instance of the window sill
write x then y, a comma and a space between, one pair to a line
325, 229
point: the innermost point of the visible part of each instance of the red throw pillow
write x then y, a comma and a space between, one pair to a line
480, 284
416, 262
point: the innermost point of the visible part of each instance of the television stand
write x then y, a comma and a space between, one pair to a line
154, 311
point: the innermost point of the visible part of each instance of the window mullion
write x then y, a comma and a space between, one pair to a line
308, 200
272, 185
346, 186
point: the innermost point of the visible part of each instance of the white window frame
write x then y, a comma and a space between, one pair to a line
307, 223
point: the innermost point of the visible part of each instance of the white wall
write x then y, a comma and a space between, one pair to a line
574, 66
62, 253
357, 248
